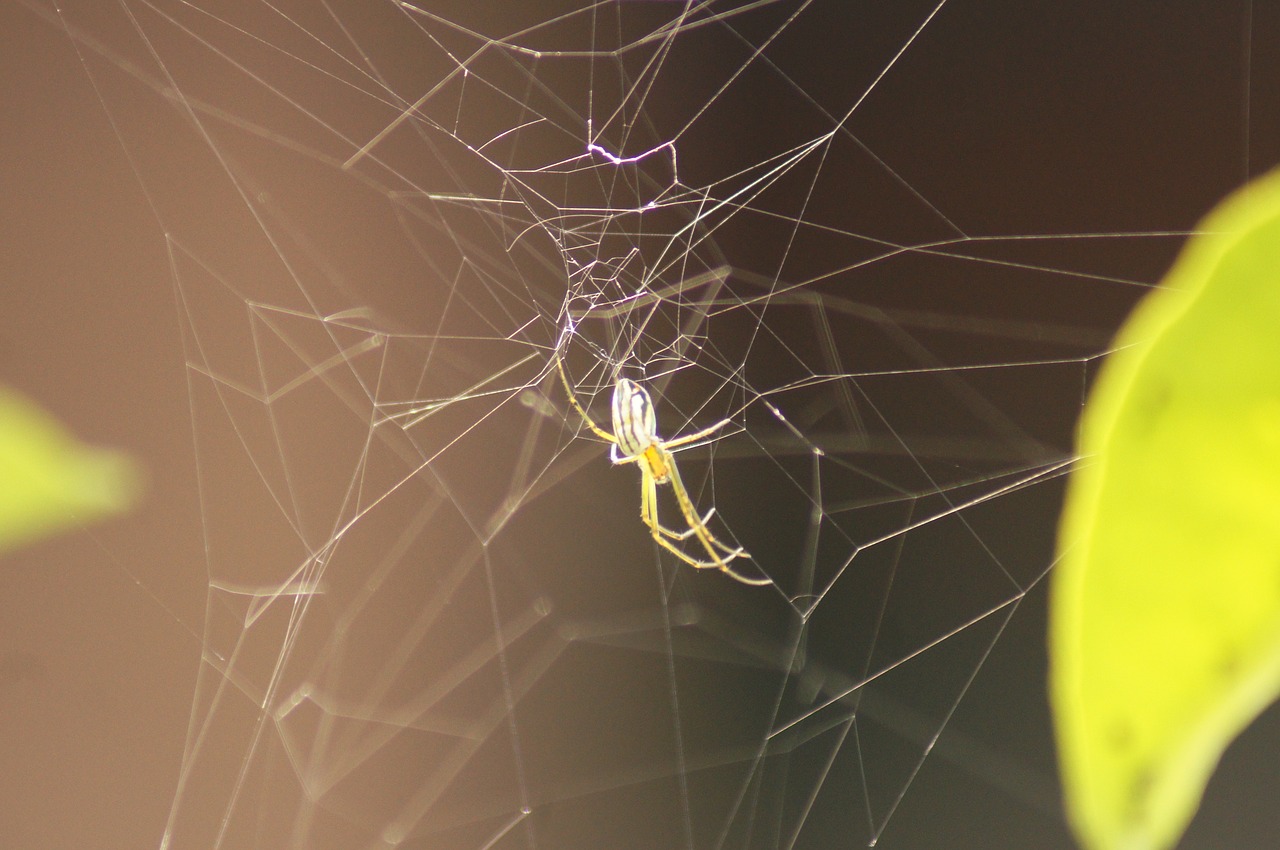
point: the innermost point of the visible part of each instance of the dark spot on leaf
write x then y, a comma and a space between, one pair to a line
1229, 665
1120, 735
1150, 404
1140, 792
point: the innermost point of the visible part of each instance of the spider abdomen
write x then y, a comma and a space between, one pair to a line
635, 424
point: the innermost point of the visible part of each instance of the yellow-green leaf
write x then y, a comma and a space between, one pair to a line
48, 480
1165, 615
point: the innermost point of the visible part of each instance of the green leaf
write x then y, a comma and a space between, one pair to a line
1165, 615
48, 480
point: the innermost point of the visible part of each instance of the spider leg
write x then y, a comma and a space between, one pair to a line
582, 411
649, 515
719, 564
728, 552
656, 531
616, 456
697, 528
688, 532
696, 436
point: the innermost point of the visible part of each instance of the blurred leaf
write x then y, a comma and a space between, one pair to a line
48, 480
1165, 618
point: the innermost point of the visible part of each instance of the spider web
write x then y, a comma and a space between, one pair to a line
431, 615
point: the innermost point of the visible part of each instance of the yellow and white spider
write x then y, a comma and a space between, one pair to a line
635, 440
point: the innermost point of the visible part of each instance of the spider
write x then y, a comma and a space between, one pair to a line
635, 440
